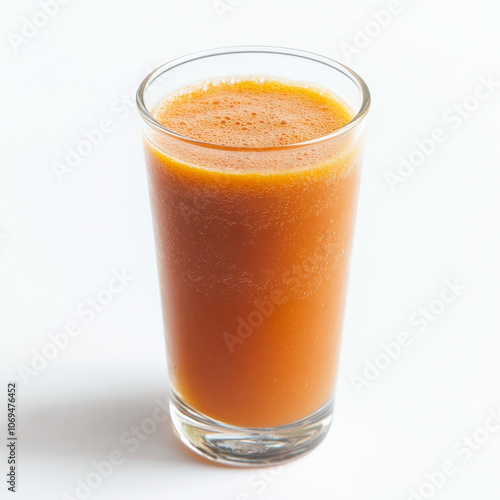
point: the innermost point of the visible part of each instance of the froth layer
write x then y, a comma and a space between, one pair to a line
252, 112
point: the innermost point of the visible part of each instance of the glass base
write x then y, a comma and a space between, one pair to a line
249, 447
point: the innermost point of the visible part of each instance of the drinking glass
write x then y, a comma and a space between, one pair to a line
253, 248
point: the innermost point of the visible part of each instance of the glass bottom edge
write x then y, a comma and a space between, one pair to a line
248, 447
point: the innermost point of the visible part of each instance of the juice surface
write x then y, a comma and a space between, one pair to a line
252, 112
253, 246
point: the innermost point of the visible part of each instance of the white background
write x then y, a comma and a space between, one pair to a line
60, 242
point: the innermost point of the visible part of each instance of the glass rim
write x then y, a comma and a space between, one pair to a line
179, 61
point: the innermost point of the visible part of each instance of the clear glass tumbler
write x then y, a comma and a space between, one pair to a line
253, 248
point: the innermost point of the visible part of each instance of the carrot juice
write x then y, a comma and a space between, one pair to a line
253, 215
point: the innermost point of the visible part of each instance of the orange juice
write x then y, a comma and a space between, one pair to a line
253, 245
